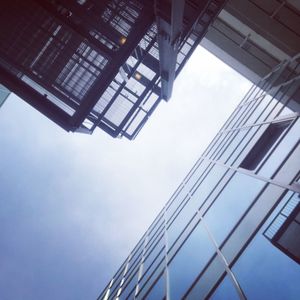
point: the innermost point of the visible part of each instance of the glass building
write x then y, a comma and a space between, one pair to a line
4, 93
232, 228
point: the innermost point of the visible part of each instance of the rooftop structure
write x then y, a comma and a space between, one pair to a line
253, 36
87, 63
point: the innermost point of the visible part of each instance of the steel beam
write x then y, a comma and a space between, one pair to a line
144, 22
35, 99
170, 26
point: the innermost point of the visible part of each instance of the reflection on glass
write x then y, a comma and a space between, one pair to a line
189, 262
233, 144
225, 291
281, 151
265, 272
129, 288
197, 199
265, 143
230, 205
157, 292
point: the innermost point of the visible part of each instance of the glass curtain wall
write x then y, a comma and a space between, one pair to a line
232, 228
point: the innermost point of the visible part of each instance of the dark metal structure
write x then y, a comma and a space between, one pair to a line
87, 63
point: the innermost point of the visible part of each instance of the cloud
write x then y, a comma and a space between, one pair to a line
73, 205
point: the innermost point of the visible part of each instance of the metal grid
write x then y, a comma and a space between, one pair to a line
281, 217
83, 58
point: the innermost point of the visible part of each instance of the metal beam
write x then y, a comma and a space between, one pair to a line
35, 99
78, 28
267, 26
170, 25
145, 20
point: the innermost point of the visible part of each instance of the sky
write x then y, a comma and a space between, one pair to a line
72, 206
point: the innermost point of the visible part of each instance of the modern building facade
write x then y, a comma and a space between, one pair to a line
253, 36
232, 228
4, 93
107, 64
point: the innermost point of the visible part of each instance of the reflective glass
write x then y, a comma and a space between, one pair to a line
143, 289
269, 105
154, 237
233, 144
149, 259
147, 272
281, 151
277, 108
246, 137
225, 291
276, 274
226, 137
248, 143
252, 113
230, 205
126, 290
157, 292
192, 205
186, 188
117, 279
204, 285
189, 261
230, 136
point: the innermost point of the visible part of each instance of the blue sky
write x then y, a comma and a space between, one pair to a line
72, 206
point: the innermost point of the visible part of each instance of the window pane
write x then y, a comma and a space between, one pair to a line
157, 292
281, 151
147, 272
233, 144
189, 261
191, 207
264, 144
276, 274
186, 188
229, 206
225, 291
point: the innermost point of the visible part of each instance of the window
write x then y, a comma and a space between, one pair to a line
189, 261
276, 274
284, 230
225, 290
264, 144
230, 205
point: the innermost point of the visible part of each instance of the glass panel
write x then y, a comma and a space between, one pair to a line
117, 279
248, 143
186, 188
150, 258
192, 205
229, 138
281, 151
207, 280
152, 279
276, 274
189, 261
157, 292
147, 272
225, 291
154, 238
264, 144
233, 144
269, 105
248, 135
230, 205
126, 290
158, 243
